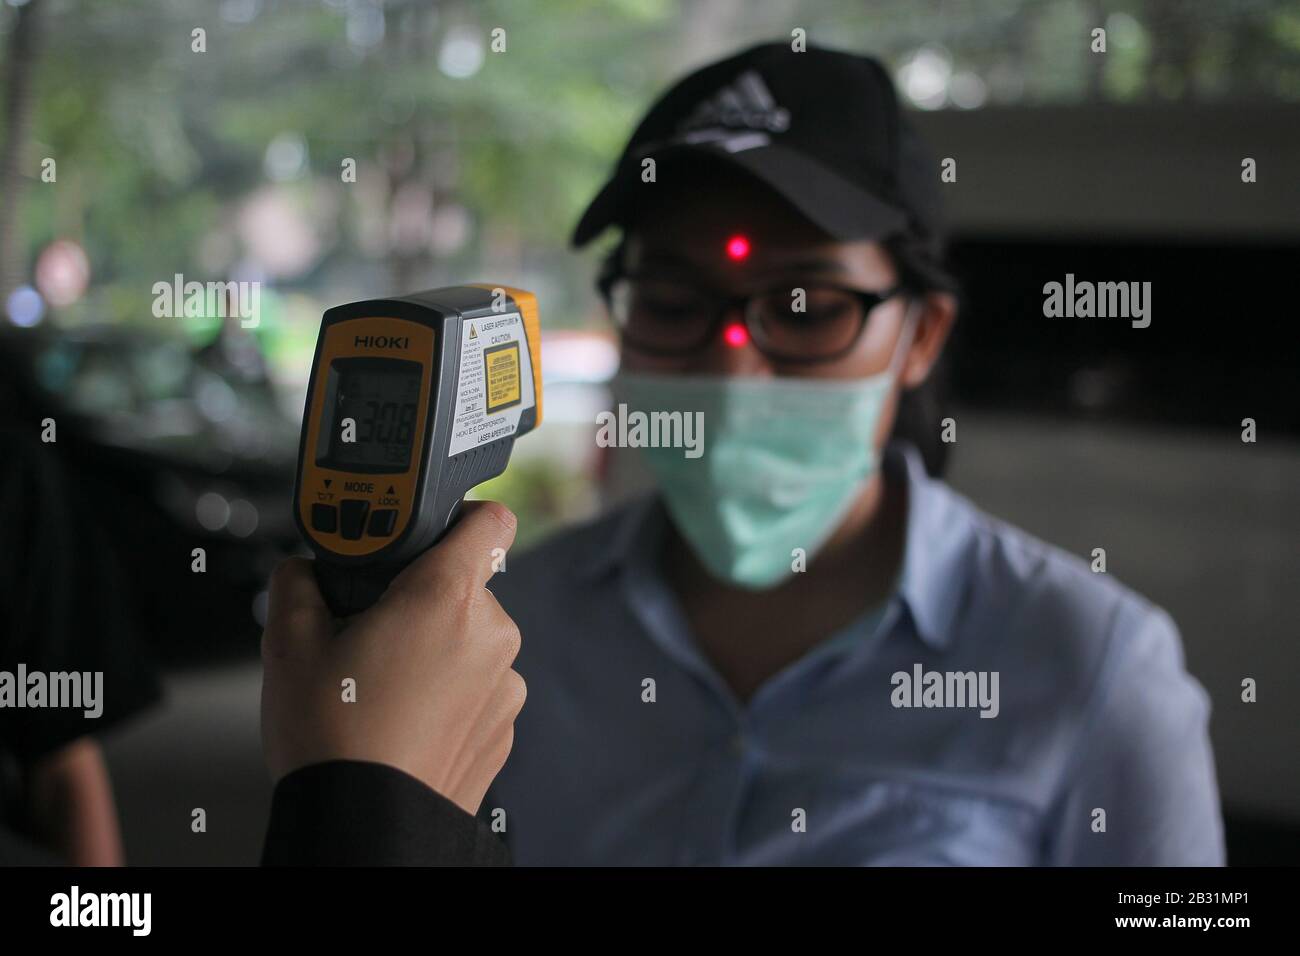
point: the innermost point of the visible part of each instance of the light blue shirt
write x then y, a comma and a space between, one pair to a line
1098, 753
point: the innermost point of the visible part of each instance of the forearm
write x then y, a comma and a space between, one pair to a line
70, 801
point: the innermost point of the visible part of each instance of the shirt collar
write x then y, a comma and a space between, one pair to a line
629, 530
937, 552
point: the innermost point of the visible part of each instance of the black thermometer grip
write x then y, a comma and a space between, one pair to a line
351, 590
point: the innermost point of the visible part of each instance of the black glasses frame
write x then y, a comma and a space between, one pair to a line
725, 305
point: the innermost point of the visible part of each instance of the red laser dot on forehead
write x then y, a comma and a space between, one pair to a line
737, 248
735, 335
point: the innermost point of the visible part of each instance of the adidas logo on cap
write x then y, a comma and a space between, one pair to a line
745, 103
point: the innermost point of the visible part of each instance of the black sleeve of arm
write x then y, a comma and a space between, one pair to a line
67, 602
352, 813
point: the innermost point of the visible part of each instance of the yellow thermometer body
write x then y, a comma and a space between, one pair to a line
412, 401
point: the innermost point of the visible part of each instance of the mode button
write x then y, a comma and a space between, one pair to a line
353, 516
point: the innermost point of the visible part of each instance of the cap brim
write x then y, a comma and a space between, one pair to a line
842, 209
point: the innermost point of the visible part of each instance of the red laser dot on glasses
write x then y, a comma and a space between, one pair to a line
735, 335
737, 248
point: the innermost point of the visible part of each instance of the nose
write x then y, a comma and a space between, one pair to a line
732, 350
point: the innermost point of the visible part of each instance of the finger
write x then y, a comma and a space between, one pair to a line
297, 618
471, 551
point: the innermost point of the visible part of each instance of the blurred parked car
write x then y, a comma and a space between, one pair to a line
182, 450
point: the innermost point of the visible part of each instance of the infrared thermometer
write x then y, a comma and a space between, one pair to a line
412, 401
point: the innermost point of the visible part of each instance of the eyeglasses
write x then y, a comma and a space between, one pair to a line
808, 322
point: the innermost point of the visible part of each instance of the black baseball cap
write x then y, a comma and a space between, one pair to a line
822, 128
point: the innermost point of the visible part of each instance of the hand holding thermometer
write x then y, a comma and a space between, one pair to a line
412, 402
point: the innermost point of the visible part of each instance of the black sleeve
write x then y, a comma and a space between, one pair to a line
65, 602
17, 849
352, 813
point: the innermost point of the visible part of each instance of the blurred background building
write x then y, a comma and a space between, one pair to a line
341, 149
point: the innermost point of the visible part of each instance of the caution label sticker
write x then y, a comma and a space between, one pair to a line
496, 381
501, 366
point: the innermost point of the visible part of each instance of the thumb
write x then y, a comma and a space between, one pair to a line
484, 531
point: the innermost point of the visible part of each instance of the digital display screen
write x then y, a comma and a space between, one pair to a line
381, 396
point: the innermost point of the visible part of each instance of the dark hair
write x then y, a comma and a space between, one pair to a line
921, 410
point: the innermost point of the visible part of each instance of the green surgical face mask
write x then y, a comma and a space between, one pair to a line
782, 462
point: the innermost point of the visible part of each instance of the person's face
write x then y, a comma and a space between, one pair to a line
683, 236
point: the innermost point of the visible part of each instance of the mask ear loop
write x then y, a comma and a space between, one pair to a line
910, 322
